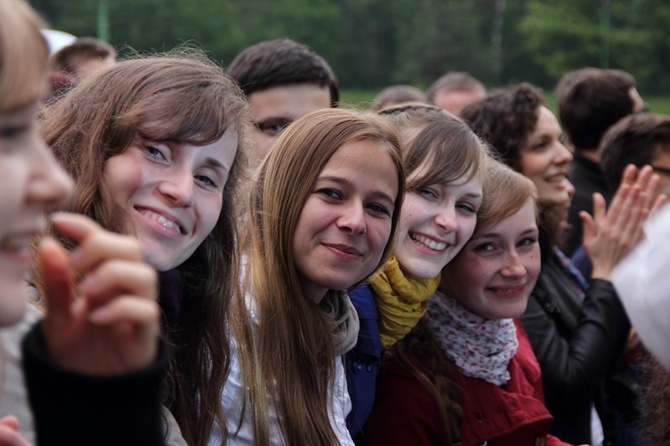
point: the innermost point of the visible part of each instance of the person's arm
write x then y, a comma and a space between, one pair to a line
94, 366
643, 282
574, 363
610, 234
76, 408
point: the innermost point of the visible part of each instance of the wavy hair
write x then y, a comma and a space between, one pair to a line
289, 353
505, 119
180, 97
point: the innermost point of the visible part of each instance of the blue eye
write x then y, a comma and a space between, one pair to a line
428, 193
331, 193
468, 208
485, 247
528, 241
207, 181
380, 209
154, 153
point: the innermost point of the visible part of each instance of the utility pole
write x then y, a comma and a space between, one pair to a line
496, 42
103, 20
605, 34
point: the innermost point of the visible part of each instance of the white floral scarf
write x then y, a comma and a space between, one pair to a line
479, 348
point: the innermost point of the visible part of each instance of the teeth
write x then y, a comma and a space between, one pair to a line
556, 179
432, 244
162, 220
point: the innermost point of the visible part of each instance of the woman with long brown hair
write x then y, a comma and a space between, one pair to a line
97, 348
324, 207
154, 145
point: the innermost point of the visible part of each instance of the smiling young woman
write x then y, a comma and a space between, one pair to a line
294, 320
467, 374
577, 329
97, 349
155, 146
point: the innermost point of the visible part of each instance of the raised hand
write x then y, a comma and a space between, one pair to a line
109, 322
610, 234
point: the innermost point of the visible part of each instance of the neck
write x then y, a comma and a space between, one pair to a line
591, 154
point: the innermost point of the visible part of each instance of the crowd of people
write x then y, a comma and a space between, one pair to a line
197, 255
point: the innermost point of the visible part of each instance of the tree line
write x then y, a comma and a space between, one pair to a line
375, 43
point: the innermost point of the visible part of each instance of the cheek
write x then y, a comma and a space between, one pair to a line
532, 165
533, 264
408, 213
378, 232
466, 228
210, 210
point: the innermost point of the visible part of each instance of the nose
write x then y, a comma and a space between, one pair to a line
178, 186
49, 185
446, 219
563, 154
513, 267
352, 219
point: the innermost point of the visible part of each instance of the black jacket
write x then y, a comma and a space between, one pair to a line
587, 177
577, 343
72, 409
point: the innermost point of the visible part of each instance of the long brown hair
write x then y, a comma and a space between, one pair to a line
505, 192
289, 353
177, 97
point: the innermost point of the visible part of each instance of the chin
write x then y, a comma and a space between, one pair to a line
160, 262
419, 271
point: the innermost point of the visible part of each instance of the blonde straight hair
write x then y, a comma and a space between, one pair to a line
288, 352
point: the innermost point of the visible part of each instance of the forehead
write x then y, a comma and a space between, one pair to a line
520, 221
546, 122
288, 101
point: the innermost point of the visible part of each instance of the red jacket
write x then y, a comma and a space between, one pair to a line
405, 412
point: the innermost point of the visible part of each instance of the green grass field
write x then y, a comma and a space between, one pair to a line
361, 99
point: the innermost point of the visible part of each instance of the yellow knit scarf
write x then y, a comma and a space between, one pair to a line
401, 301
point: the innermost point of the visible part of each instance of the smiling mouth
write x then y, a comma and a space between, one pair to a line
427, 242
556, 179
171, 224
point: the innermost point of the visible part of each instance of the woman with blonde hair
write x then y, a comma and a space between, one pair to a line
155, 147
324, 207
97, 348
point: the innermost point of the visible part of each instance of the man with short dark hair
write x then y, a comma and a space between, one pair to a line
590, 101
638, 139
283, 80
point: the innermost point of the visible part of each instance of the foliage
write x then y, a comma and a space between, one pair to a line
375, 43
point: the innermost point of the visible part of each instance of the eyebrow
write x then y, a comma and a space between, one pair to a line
528, 231
340, 180
215, 163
